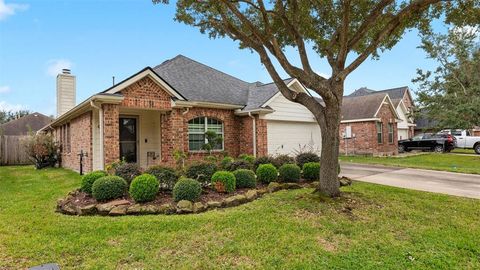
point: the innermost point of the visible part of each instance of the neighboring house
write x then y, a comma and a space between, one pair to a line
369, 125
403, 102
25, 125
157, 111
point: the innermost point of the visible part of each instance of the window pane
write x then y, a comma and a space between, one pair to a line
197, 125
196, 141
379, 132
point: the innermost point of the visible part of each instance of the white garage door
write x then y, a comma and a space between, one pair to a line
402, 134
286, 137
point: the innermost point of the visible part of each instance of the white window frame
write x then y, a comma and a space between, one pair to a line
203, 133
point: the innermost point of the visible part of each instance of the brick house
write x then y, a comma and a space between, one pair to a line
152, 114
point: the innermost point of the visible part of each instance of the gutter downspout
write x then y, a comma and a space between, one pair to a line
100, 123
254, 126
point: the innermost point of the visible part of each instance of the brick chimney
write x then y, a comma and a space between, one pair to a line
66, 92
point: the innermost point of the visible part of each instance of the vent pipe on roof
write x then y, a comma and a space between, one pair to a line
66, 91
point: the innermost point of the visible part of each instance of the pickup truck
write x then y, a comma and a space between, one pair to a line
428, 141
464, 139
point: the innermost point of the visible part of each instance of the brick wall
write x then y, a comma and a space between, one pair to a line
80, 140
111, 133
246, 138
146, 94
365, 141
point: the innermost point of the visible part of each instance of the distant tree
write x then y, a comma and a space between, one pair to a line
7, 116
344, 32
449, 96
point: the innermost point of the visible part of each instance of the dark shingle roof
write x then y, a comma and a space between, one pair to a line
395, 94
361, 107
198, 82
23, 125
260, 93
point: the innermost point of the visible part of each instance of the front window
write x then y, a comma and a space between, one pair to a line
379, 132
196, 132
390, 132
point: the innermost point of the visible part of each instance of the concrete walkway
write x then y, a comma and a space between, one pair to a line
458, 184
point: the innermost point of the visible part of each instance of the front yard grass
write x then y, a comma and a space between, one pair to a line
370, 227
430, 161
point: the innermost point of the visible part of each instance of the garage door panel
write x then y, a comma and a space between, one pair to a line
287, 137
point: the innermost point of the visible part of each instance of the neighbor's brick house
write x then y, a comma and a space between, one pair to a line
168, 108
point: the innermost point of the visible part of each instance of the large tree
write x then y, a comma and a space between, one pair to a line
449, 95
7, 116
344, 33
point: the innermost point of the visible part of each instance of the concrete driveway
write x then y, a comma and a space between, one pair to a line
458, 184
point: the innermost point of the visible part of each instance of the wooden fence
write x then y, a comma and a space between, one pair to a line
12, 151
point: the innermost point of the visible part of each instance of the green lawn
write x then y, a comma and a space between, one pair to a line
370, 227
431, 161
463, 151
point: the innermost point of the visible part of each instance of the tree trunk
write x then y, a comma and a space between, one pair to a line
329, 184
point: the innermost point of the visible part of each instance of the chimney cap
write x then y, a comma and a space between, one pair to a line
65, 71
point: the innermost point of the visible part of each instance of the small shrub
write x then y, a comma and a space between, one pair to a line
267, 173
224, 181
262, 160
211, 159
240, 164
128, 171
42, 149
306, 157
226, 163
144, 188
311, 171
248, 158
187, 189
245, 178
289, 173
202, 172
167, 177
112, 167
109, 188
88, 180
280, 160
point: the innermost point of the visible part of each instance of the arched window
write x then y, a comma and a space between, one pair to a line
196, 132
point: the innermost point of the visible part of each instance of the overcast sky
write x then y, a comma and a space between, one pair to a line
101, 39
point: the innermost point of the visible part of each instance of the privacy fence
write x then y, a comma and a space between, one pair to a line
12, 150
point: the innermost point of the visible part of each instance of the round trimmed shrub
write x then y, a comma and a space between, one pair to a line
267, 173
167, 177
280, 160
245, 178
248, 158
306, 157
289, 173
240, 164
144, 188
128, 171
202, 172
311, 171
109, 188
224, 181
226, 163
262, 160
88, 180
187, 189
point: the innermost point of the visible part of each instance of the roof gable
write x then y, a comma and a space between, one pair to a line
23, 125
395, 94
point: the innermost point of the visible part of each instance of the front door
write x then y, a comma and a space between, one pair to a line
128, 139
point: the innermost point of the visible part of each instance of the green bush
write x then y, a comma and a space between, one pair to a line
306, 157
187, 189
267, 173
245, 178
311, 171
289, 173
240, 164
88, 180
144, 188
224, 181
248, 158
202, 172
109, 188
128, 171
280, 160
262, 160
226, 163
167, 177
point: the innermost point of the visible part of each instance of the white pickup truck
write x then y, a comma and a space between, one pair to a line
464, 140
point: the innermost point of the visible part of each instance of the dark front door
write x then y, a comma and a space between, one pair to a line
128, 139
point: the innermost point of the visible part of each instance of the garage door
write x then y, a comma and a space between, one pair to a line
402, 134
285, 137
